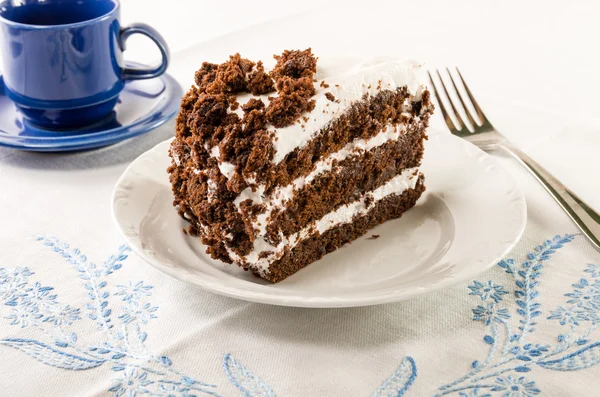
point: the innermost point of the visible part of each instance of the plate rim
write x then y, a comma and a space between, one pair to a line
319, 302
105, 137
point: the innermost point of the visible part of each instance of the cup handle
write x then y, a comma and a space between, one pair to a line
152, 34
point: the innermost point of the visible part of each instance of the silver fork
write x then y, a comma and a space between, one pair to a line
486, 137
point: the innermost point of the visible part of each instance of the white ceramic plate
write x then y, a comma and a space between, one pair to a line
472, 213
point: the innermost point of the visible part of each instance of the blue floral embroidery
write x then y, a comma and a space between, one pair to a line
400, 381
245, 380
516, 387
122, 347
488, 290
473, 393
511, 353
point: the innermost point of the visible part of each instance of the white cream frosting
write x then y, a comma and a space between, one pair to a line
348, 81
212, 189
226, 169
367, 78
344, 214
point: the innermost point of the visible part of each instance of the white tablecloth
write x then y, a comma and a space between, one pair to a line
80, 315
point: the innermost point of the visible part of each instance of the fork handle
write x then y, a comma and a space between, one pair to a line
583, 215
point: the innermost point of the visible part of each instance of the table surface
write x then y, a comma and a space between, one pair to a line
83, 316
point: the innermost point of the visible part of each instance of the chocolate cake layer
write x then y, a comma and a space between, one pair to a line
317, 246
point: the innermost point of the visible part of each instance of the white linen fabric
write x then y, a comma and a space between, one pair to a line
80, 315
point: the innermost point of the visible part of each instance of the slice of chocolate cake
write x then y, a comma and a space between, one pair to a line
275, 168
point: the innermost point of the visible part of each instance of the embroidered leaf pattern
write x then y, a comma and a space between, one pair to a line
248, 383
51, 356
120, 313
581, 359
400, 381
512, 351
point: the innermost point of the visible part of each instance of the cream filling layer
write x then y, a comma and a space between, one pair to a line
344, 214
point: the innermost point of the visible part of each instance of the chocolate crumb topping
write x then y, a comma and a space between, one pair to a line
293, 100
228, 77
236, 183
330, 96
208, 109
295, 64
260, 154
206, 74
259, 82
253, 104
254, 120
265, 254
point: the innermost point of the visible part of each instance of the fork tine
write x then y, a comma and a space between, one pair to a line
482, 117
462, 102
461, 123
447, 118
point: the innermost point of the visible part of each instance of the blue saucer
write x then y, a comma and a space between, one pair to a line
143, 105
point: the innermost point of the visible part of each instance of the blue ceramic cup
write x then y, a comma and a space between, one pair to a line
62, 60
